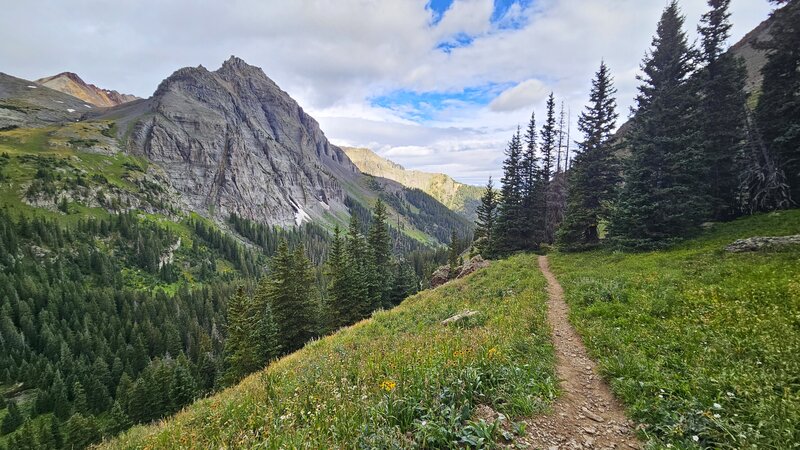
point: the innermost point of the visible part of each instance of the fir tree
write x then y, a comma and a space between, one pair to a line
549, 136
380, 250
485, 223
339, 303
778, 111
510, 219
534, 194
452, 253
663, 197
594, 174
240, 350
13, 418
290, 291
118, 420
356, 273
721, 112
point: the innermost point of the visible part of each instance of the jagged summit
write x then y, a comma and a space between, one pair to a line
233, 142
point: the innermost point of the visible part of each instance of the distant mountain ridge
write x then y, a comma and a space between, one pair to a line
70, 83
216, 143
460, 197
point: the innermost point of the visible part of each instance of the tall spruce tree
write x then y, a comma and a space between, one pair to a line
357, 272
510, 219
663, 197
778, 111
486, 221
594, 175
534, 195
721, 112
241, 355
290, 291
339, 303
380, 252
549, 136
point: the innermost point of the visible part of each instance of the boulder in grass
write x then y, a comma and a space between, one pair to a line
440, 276
757, 243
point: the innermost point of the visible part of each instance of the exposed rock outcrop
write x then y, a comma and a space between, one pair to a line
232, 141
762, 243
475, 263
443, 274
440, 276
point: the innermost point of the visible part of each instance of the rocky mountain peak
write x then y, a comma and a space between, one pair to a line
233, 142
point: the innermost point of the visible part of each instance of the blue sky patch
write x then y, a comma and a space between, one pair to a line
423, 106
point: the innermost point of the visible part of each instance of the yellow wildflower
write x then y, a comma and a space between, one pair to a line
492, 352
388, 385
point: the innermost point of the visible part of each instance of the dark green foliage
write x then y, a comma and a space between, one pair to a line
314, 238
485, 225
721, 113
510, 218
663, 198
80, 431
778, 111
378, 240
252, 333
452, 252
549, 135
594, 174
12, 419
291, 294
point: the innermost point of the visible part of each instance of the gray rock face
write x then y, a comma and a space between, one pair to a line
762, 242
231, 141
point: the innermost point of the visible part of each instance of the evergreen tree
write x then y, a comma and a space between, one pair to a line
183, 387
291, 295
340, 303
404, 282
79, 402
510, 218
663, 197
485, 223
549, 135
534, 193
356, 273
721, 112
13, 418
80, 431
452, 253
240, 349
594, 174
380, 249
778, 110
118, 420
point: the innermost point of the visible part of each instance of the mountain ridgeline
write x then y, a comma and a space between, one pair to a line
126, 230
457, 196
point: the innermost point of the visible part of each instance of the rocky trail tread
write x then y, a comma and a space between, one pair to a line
586, 415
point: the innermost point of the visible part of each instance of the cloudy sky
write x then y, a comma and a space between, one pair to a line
436, 85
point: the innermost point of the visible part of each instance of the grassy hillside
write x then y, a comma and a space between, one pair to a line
398, 380
700, 344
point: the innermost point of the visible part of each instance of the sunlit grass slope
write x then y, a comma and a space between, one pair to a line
702, 345
398, 380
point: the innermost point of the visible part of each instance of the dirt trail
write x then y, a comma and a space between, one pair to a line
586, 415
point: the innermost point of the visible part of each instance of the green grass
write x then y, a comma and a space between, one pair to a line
697, 341
398, 380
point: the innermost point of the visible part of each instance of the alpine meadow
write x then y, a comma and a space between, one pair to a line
422, 224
